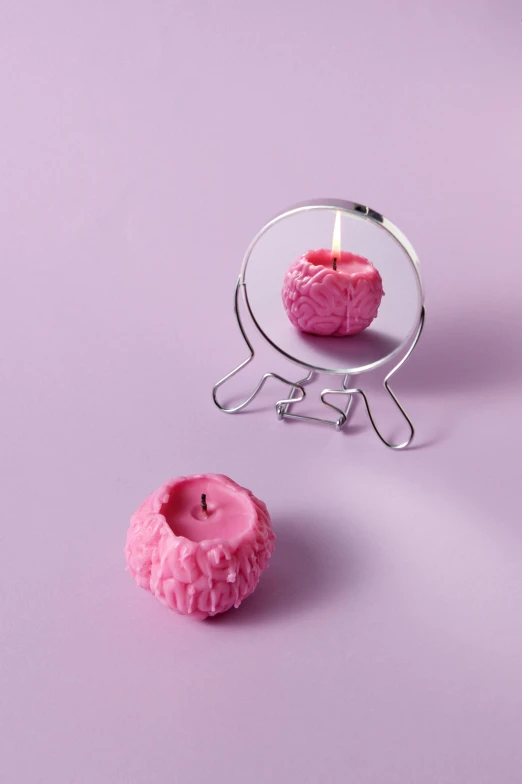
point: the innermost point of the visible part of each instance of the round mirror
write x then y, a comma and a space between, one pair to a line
333, 286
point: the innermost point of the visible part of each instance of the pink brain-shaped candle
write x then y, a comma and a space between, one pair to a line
324, 299
200, 561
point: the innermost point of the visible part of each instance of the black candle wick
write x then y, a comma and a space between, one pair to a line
204, 502
334, 263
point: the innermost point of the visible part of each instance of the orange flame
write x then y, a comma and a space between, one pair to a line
336, 239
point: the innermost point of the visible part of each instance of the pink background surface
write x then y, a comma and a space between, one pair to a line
142, 145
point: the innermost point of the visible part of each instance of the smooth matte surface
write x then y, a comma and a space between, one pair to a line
143, 144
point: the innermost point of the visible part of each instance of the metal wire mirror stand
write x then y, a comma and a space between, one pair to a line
285, 407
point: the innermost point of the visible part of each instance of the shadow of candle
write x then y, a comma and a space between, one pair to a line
353, 350
312, 564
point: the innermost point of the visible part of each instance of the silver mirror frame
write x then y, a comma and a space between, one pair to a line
285, 408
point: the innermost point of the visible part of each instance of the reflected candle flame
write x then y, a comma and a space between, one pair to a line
336, 240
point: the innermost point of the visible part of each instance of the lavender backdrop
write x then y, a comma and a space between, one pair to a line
142, 145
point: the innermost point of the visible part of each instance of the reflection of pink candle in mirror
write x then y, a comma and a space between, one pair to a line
332, 292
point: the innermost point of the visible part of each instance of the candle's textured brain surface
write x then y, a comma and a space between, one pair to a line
326, 301
197, 578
